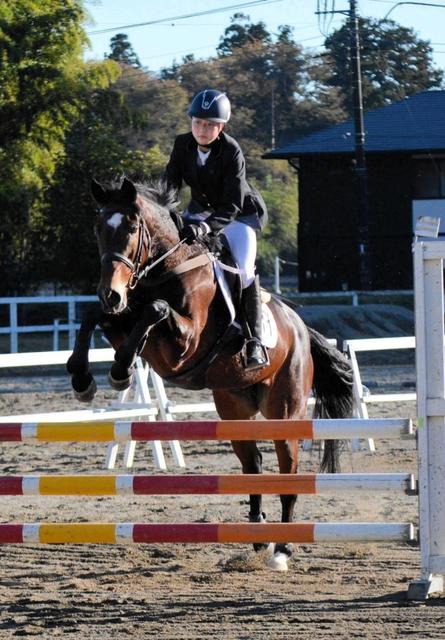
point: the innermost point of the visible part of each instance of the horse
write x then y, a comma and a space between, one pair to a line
159, 299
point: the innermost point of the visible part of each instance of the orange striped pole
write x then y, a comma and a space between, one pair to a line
331, 429
282, 484
136, 533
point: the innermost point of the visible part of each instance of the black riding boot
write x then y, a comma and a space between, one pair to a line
254, 351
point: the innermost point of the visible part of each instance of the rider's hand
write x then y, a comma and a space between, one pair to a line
194, 231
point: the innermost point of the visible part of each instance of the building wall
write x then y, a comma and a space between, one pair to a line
328, 228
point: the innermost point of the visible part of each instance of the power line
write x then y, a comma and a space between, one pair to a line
242, 5
420, 4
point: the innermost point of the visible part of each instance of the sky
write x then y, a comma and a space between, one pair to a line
159, 45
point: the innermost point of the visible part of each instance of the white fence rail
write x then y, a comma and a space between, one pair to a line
141, 407
68, 324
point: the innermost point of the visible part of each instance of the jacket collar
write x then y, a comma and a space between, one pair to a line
215, 147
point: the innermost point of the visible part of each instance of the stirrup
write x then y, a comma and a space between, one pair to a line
255, 361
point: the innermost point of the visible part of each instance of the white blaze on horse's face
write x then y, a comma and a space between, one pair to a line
113, 240
116, 220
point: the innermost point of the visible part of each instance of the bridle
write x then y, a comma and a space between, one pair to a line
136, 272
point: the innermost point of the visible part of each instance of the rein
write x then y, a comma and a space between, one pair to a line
135, 267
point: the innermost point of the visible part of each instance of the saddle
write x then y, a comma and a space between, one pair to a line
230, 332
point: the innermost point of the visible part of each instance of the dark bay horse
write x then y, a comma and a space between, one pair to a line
159, 299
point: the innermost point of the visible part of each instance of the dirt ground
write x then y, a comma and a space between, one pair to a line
206, 591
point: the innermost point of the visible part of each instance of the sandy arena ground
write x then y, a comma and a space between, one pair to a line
206, 591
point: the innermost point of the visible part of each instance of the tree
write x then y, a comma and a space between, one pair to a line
95, 147
394, 63
157, 109
240, 33
262, 75
280, 193
42, 83
122, 51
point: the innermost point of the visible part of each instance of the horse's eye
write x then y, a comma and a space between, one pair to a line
133, 228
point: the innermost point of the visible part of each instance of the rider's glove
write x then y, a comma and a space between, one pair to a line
194, 231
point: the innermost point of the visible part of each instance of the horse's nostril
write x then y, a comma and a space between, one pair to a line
110, 297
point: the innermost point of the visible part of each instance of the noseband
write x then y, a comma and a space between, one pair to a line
135, 267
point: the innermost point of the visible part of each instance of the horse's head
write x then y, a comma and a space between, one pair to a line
123, 240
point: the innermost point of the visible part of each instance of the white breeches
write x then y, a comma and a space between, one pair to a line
242, 242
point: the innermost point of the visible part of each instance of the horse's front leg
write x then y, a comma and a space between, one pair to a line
82, 380
122, 370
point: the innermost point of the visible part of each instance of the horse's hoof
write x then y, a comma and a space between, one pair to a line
278, 562
120, 385
70, 366
88, 394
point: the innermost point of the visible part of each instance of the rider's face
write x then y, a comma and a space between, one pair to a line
205, 131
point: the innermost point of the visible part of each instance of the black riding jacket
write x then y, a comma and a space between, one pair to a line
220, 186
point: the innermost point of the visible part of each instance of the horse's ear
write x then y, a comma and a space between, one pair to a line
129, 191
98, 192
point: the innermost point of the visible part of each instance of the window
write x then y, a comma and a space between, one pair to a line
429, 178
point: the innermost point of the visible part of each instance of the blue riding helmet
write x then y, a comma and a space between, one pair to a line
210, 105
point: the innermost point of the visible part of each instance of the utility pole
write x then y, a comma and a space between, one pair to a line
272, 118
360, 159
360, 169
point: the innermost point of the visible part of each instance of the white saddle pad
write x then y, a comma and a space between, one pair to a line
269, 327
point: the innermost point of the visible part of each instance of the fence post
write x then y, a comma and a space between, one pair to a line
14, 343
277, 275
71, 321
56, 324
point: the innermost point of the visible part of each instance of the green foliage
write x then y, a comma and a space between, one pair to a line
96, 147
157, 109
122, 51
280, 193
394, 63
42, 83
240, 33
262, 77
63, 121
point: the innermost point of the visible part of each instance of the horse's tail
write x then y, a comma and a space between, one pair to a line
332, 386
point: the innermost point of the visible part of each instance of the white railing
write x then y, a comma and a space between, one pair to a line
362, 396
141, 407
14, 330
353, 297
67, 322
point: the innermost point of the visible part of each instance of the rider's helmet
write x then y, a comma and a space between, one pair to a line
210, 105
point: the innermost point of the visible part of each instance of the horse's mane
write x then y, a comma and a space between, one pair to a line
158, 192
163, 204
162, 201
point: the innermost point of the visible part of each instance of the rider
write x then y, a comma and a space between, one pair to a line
212, 164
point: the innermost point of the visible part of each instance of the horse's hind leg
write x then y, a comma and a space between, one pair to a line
233, 405
251, 462
287, 398
287, 454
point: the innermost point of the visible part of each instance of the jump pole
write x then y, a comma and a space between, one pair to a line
239, 532
320, 429
282, 484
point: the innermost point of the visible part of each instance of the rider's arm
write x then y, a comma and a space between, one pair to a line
173, 171
233, 192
